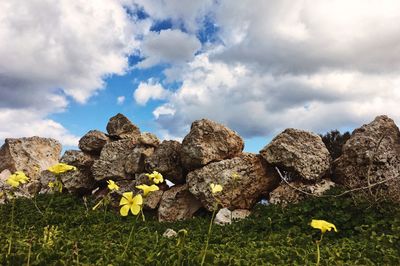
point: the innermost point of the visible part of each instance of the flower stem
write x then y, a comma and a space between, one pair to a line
12, 227
129, 238
318, 250
208, 237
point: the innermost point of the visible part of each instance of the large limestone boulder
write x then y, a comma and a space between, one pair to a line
166, 160
120, 127
286, 194
149, 139
135, 162
244, 179
372, 152
207, 142
177, 203
30, 155
113, 157
81, 181
93, 141
299, 151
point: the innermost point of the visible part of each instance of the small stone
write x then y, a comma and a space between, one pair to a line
120, 127
149, 139
240, 214
170, 233
223, 217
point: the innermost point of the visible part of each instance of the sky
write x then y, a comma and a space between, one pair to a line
256, 66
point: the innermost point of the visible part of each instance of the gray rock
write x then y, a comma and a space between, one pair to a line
135, 162
285, 194
223, 217
240, 214
120, 127
167, 160
177, 203
30, 155
299, 151
170, 233
81, 181
113, 157
208, 142
372, 151
244, 179
149, 139
93, 141
152, 200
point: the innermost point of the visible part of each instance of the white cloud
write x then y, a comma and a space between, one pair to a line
55, 49
120, 100
168, 46
27, 123
150, 90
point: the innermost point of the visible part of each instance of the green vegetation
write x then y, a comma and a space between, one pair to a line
71, 233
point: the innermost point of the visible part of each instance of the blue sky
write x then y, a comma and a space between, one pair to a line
256, 66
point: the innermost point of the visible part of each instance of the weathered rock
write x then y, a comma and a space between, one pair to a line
244, 179
30, 155
299, 151
81, 181
166, 160
135, 162
240, 214
177, 203
120, 127
149, 139
93, 141
4, 175
372, 152
113, 157
223, 217
170, 233
285, 194
152, 200
208, 142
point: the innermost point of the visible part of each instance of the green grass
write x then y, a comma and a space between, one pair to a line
271, 236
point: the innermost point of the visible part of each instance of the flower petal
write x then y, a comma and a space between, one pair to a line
135, 209
124, 210
137, 200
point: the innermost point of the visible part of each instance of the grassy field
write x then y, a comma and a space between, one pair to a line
69, 232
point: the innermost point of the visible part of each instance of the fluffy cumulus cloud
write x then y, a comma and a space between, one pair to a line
54, 50
305, 64
150, 90
168, 46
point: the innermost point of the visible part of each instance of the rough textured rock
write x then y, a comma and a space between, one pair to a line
30, 155
208, 142
4, 175
152, 200
223, 217
149, 139
299, 151
177, 203
93, 141
135, 161
111, 164
120, 127
240, 214
167, 160
170, 233
80, 181
244, 179
285, 194
372, 151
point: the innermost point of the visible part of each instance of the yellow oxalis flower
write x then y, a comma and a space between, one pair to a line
112, 186
215, 188
156, 177
147, 189
130, 202
323, 225
17, 178
51, 184
61, 168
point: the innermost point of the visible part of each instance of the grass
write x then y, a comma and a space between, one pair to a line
270, 236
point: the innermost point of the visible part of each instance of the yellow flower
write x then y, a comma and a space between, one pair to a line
215, 188
323, 225
112, 186
17, 178
61, 168
147, 189
128, 202
156, 177
51, 184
